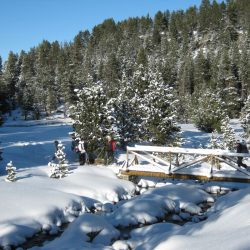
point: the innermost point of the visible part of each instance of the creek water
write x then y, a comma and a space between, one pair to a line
42, 237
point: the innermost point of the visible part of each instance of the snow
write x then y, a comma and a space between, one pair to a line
105, 212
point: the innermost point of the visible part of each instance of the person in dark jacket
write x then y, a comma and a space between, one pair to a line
241, 147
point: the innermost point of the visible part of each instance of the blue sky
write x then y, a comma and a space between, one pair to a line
25, 23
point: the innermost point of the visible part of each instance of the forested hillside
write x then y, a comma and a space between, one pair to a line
138, 77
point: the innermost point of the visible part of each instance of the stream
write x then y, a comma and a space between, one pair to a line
42, 237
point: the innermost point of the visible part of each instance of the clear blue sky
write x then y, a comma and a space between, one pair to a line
25, 23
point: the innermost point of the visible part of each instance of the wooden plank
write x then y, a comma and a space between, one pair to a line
184, 176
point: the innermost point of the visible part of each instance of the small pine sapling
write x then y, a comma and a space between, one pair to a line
60, 169
228, 134
54, 172
11, 170
215, 140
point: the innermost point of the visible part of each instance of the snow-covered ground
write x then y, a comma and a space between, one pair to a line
104, 211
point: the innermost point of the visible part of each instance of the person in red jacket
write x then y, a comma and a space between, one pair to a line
110, 146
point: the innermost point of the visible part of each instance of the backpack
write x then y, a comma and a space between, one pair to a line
81, 147
76, 149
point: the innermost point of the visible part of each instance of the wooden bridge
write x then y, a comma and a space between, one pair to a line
185, 163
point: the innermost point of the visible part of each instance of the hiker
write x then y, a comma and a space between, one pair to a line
110, 145
82, 152
75, 143
56, 149
241, 147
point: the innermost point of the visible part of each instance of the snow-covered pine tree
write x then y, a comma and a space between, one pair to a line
228, 134
215, 140
11, 171
89, 114
244, 67
127, 107
159, 117
208, 110
54, 172
245, 118
59, 169
26, 83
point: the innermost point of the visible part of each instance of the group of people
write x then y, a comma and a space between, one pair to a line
80, 147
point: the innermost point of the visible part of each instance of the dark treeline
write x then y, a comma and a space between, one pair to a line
202, 53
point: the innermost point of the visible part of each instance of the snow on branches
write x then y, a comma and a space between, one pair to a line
60, 169
11, 170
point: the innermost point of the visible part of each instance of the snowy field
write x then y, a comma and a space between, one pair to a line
92, 208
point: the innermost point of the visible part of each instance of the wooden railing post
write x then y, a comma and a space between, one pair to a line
170, 162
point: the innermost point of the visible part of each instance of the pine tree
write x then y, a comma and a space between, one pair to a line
244, 70
127, 114
11, 170
54, 172
228, 134
26, 83
204, 15
159, 119
208, 110
245, 118
215, 141
90, 120
60, 169
10, 77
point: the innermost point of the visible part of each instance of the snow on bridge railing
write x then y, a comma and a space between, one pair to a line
167, 165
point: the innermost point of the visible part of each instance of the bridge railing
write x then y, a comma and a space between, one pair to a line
170, 163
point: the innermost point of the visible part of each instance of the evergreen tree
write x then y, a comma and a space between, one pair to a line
204, 15
186, 80
10, 78
142, 58
202, 72
11, 171
245, 118
159, 118
128, 107
60, 169
228, 134
111, 76
208, 110
90, 120
26, 83
215, 140
244, 70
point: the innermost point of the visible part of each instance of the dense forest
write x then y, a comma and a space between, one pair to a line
138, 77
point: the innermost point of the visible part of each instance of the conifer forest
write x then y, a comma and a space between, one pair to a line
138, 78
